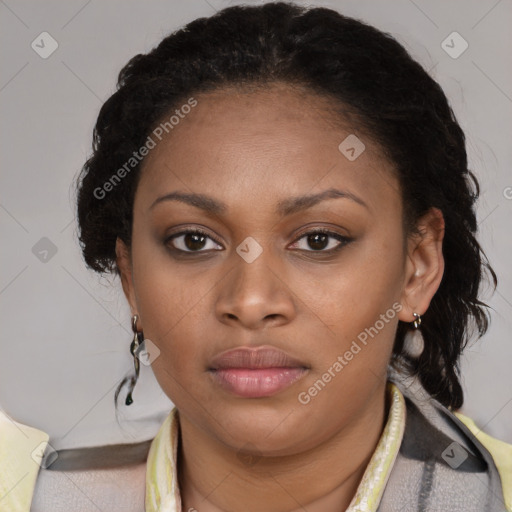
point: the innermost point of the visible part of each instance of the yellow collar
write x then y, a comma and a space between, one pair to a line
162, 491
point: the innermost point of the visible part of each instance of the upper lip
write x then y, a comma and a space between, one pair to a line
254, 358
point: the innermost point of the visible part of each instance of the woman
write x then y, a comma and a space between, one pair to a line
285, 196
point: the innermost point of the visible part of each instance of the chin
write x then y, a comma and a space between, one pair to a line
268, 428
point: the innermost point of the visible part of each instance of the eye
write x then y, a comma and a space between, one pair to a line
191, 240
196, 240
318, 240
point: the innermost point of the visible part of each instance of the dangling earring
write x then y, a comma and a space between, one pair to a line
413, 341
417, 321
138, 339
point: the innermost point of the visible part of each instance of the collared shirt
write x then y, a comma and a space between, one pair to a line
22, 448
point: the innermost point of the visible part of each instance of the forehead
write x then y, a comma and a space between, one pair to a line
265, 144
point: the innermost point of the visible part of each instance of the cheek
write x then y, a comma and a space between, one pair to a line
170, 309
180, 361
162, 292
351, 295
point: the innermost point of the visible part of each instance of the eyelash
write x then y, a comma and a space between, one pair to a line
342, 239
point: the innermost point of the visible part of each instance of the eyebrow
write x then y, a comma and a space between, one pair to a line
284, 208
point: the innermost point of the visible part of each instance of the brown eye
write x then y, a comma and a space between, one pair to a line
192, 240
319, 240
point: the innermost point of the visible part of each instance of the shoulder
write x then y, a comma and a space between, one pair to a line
437, 441
113, 489
21, 451
110, 477
501, 453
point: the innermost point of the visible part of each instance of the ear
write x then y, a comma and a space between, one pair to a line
124, 263
424, 265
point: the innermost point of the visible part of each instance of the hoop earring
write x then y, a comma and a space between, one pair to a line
138, 339
417, 320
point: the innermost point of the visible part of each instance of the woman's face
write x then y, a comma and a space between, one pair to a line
253, 171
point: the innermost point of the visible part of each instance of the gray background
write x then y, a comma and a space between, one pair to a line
65, 332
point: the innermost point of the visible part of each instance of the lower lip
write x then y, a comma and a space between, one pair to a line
258, 382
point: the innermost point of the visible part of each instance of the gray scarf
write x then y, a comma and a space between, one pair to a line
441, 465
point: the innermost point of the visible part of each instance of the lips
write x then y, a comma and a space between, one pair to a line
255, 358
256, 372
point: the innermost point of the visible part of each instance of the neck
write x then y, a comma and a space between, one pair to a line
324, 479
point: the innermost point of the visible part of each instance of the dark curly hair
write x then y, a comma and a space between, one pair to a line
371, 77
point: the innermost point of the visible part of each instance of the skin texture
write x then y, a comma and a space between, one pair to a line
252, 150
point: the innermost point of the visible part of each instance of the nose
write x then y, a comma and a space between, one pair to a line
256, 294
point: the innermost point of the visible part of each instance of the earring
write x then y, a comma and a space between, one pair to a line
138, 339
417, 321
